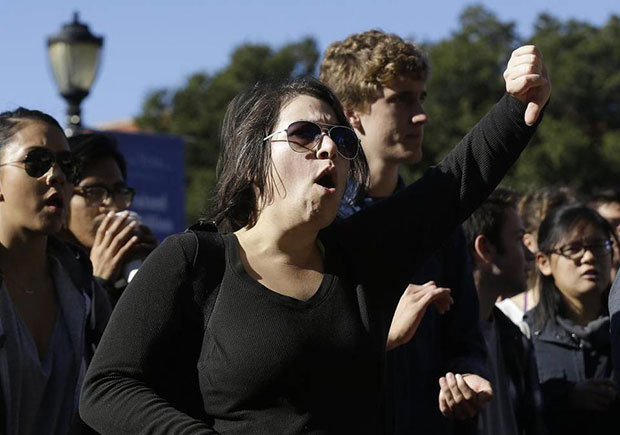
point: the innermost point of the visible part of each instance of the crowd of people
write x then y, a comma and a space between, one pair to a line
322, 294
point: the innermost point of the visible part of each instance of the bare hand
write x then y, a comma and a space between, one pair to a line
463, 396
527, 80
411, 309
117, 240
593, 394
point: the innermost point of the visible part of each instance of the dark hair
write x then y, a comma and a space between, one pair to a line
488, 218
535, 204
604, 196
10, 122
90, 148
559, 224
245, 157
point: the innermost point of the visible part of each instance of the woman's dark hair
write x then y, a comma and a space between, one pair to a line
535, 204
245, 159
91, 148
559, 225
10, 122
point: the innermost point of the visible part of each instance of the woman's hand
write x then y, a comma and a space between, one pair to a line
463, 396
117, 240
528, 81
593, 394
411, 309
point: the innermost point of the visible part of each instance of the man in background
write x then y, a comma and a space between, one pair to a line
381, 81
501, 262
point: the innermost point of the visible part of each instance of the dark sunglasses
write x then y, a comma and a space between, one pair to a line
39, 160
98, 193
305, 135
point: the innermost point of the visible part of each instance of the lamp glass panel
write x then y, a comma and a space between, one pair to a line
74, 65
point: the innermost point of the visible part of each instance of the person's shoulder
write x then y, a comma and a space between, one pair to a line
505, 324
71, 256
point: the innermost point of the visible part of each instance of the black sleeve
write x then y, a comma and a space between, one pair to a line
143, 377
389, 241
463, 340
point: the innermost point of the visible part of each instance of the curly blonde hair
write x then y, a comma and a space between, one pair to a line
361, 65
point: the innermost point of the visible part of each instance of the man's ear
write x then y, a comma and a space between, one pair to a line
484, 251
529, 240
353, 116
544, 263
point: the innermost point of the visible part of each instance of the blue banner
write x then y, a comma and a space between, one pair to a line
156, 169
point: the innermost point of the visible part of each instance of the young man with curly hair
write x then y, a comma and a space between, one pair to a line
381, 80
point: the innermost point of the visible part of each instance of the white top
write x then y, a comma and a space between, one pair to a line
514, 313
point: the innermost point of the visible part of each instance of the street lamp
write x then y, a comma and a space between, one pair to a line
74, 55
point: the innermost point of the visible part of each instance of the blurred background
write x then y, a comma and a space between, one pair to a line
170, 67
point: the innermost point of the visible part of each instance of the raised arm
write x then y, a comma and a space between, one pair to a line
143, 377
398, 234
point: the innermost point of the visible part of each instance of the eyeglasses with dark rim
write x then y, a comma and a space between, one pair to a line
38, 161
97, 194
576, 250
304, 136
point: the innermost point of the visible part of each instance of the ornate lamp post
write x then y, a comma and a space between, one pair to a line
74, 55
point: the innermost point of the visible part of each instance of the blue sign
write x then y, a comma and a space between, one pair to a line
156, 169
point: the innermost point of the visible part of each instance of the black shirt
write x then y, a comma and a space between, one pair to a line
268, 363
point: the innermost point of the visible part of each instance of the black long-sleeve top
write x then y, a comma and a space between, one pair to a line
268, 363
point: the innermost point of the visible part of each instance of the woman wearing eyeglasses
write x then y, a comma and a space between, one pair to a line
570, 324
296, 337
51, 310
112, 239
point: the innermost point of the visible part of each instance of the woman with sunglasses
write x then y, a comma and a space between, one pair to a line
99, 221
51, 310
570, 324
296, 337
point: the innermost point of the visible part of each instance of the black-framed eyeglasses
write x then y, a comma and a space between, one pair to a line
96, 194
576, 250
39, 160
304, 136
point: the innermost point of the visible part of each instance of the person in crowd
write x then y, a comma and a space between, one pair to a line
501, 261
381, 81
607, 203
52, 311
570, 324
533, 206
99, 221
295, 339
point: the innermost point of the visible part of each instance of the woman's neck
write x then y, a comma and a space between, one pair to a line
293, 246
583, 310
22, 254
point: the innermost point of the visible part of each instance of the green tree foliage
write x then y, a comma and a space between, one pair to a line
578, 143
195, 110
465, 79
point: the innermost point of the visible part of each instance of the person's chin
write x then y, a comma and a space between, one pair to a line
409, 156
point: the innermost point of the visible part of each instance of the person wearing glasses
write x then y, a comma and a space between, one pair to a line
52, 311
570, 324
98, 220
295, 339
